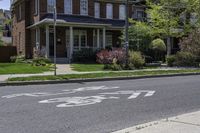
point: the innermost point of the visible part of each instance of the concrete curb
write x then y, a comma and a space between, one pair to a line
90, 80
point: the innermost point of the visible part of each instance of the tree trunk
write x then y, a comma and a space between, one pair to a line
169, 48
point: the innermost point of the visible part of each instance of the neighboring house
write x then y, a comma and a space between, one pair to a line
80, 24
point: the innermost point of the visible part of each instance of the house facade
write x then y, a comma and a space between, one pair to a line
80, 24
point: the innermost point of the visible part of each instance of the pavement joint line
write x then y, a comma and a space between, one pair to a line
186, 123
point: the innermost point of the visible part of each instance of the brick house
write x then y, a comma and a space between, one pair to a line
80, 24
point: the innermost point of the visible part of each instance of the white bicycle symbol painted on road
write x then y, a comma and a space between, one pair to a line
82, 101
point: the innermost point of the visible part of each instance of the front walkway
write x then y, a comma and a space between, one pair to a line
187, 123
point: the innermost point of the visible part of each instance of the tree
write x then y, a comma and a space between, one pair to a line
139, 36
165, 18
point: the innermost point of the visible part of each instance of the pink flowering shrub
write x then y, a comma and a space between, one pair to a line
109, 57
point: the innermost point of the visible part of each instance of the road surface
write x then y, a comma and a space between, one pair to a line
95, 107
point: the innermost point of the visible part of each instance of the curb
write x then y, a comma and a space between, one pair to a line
90, 80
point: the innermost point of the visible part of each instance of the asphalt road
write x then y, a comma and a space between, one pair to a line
95, 107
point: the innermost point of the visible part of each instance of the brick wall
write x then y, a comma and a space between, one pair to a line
7, 52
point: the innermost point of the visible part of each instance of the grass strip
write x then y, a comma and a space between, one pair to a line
105, 75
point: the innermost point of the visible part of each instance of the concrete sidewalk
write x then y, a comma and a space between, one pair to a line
187, 123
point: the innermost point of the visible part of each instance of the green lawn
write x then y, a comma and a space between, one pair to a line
105, 75
87, 67
15, 68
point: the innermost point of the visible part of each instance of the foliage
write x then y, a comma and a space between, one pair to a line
185, 59
159, 48
191, 43
18, 59
158, 45
171, 60
139, 36
84, 55
107, 57
41, 62
136, 60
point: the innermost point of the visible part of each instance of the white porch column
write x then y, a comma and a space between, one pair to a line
98, 38
104, 37
71, 42
47, 41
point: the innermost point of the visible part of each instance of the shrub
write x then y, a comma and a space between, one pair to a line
107, 57
136, 60
158, 45
185, 59
159, 48
191, 43
18, 59
84, 55
40, 61
171, 60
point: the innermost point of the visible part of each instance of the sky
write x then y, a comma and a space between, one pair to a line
4, 4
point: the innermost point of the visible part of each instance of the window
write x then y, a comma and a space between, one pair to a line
80, 39
36, 7
84, 7
68, 6
50, 6
122, 12
109, 11
97, 10
140, 14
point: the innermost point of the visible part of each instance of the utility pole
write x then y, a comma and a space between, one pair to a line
126, 32
54, 28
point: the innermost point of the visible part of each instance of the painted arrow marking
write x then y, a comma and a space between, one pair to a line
134, 94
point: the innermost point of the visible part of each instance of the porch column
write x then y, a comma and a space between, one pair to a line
47, 41
104, 37
71, 41
98, 39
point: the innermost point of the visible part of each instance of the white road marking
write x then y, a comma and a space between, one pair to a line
134, 94
77, 101
43, 94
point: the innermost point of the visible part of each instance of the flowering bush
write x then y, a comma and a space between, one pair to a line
107, 57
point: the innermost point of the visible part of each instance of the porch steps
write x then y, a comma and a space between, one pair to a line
61, 60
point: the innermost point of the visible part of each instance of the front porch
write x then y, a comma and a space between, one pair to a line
71, 39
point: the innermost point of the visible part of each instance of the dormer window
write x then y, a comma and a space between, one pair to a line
84, 7
68, 6
50, 6
109, 11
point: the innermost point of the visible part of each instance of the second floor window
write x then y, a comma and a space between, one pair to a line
97, 10
50, 6
122, 12
84, 7
109, 11
68, 6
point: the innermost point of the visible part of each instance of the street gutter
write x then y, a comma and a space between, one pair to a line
22, 83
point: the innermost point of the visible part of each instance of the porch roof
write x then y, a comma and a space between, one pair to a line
87, 20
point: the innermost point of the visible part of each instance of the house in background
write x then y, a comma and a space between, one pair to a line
81, 24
